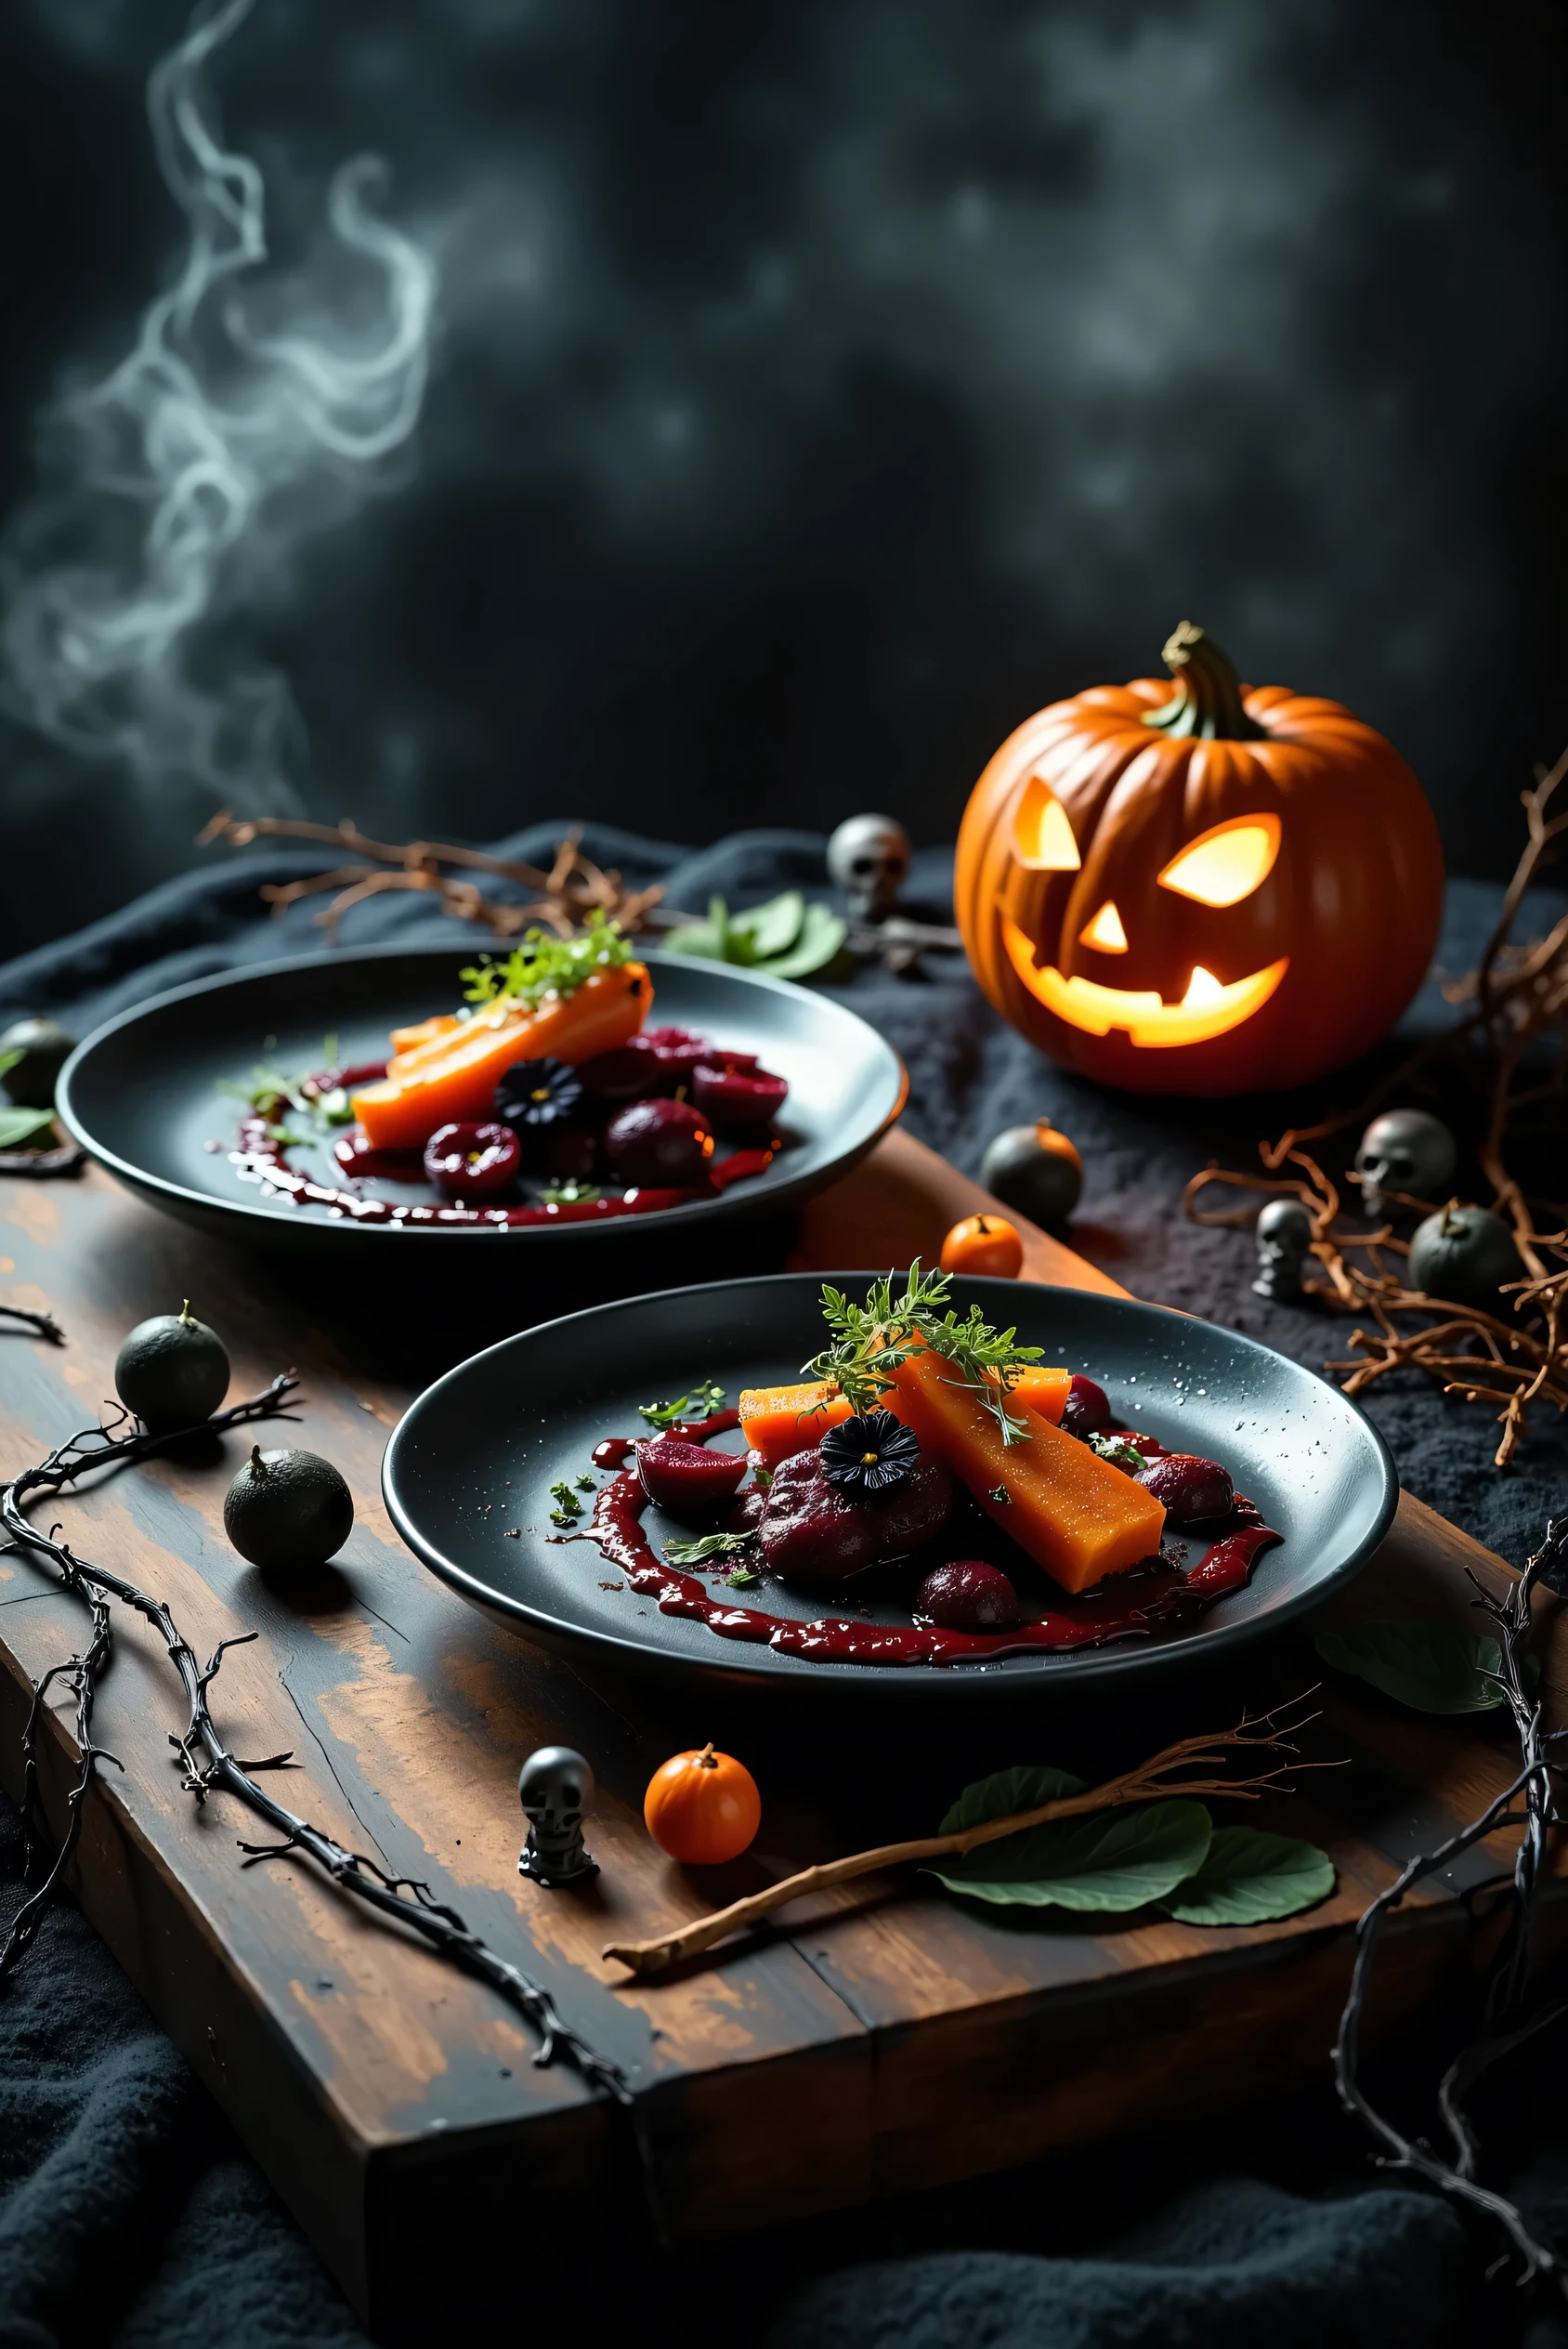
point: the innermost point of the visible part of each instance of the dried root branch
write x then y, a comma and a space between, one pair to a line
1515, 1019
1193, 1765
562, 897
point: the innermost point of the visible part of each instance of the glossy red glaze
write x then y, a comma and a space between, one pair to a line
614, 1451
357, 1155
686, 1477
617, 1530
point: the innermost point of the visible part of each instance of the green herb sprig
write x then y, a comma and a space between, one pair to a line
699, 1404
568, 1508
544, 965
712, 1546
871, 1341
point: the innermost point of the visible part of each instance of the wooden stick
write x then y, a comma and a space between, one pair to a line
1149, 1780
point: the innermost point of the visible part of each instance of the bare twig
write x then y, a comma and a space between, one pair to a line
1205, 1755
43, 1324
208, 1766
573, 887
1507, 2023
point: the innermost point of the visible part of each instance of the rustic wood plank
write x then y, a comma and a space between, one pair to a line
886, 2040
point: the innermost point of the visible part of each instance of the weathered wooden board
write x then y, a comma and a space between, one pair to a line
881, 2039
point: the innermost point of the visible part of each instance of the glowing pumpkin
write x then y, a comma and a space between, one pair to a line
1208, 891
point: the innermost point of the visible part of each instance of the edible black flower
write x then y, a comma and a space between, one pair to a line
870, 1453
538, 1092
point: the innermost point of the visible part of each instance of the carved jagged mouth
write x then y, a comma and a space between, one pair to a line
1207, 1009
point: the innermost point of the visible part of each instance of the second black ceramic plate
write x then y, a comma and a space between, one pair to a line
145, 1093
468, 1472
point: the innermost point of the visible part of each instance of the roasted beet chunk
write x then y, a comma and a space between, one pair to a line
1191, 1488
812, 1534
1087, 1411
687, 1478
967, 1595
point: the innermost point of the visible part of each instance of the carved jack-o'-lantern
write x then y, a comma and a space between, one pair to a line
1214, 890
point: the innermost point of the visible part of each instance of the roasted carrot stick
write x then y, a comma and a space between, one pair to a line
1044, 1391
454, 1078
1070, 1511
779, 1420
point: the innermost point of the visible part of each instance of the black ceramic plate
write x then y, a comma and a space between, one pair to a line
477, 1453
143, 1093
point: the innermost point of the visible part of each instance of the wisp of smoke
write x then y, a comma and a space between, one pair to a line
180, 487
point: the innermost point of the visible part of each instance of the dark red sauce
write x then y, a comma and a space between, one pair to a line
616, 1527
613, 1452
260, 1158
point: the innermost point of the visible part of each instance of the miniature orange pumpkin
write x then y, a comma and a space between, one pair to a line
703, 1808
1208, 891
983, 1244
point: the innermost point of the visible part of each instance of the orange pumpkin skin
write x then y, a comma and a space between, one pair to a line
1352, 902
986, 1245
703, 1808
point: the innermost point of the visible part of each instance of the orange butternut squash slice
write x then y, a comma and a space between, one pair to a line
1066, 1507
453, 1077
1044, 1391
777, 1422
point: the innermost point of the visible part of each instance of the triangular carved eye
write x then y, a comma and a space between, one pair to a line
1105, 930
1042, 833
1223, 866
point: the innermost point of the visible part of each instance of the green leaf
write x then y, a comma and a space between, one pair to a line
701, 940
772, 928
701, 1403
19, 1126
8, 1059
1248, 1877
1104, 1864
821, 937
1024, 1789
1426, 1663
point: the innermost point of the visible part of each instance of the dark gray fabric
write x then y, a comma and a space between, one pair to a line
127, 2214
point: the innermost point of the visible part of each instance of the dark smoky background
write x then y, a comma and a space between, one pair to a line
808, 392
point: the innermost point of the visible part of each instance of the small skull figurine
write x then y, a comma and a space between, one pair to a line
556, 1788
868, 857
1404, 1151
1285, 1233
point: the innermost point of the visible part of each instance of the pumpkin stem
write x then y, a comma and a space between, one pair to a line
258, 1466
1208, 704
705, 1760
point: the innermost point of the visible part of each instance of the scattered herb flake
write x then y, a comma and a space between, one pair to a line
1000, 1493
742, 1578
586, 1484
699, 1404
1118, 1451
570, 1194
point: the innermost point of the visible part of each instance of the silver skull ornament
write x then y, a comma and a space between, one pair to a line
868, 857
1284, 1233
555, 1787
1405, 1151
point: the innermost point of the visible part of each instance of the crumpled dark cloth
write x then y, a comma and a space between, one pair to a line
128, 2214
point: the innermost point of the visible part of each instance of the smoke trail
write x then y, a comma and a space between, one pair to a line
185, 481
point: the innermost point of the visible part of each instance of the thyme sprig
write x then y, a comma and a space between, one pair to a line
872, 1341
544, 965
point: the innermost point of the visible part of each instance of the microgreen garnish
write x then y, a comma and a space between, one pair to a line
1118, 1451
712, 1546
871, 1342
586, 1484
742, 1578
544, 965
570, 1194
699, 1404
270, 1089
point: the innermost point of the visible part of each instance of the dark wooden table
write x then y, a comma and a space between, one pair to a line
885, 2038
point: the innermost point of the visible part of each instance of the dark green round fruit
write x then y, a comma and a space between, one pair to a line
44, 1047
288, 1509
1463, 1254
1036, 1170
173, 1371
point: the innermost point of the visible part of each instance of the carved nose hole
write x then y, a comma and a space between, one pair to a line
1105, 930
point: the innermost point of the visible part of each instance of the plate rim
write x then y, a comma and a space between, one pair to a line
248, 1215
1035, 1673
